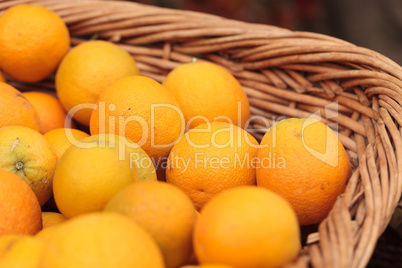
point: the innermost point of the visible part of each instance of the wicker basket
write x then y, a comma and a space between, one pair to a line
284, 73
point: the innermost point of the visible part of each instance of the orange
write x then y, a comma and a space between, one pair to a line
2, 78
15, 109
90, 173
20, 251
143, 111
138, 157
52, 218
50, 112
247, 227
28, 154
304, 161
86, 71
99, 240
211, 158
144, 164
33, 40
208, 92
20, 212
164, 211
62, 138
207, 266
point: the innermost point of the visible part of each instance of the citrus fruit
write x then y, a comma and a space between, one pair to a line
143, 111
51, 113
15, 109
144, 164
207, 266
89, 174
211, 158
20, 212
100, 240
20, 251
62, 138
28, 154
247, 227
208, 92
33, 40
52, 218
138, 157
2, 78
86, 71
303, 161
164, 211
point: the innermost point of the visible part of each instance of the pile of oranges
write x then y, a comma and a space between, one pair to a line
115, 169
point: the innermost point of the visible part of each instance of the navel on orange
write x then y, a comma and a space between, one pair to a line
29, 155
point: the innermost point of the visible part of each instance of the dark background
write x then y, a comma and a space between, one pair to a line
374, 24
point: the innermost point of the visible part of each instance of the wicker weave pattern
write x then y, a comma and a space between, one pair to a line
284, 73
